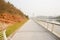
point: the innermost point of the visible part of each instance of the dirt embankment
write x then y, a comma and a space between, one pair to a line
7, 18
10, 14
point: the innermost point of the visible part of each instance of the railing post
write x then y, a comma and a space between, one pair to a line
47, 25
2, 31
52, 27
4, 35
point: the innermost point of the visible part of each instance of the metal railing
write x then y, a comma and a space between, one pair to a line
2, 32
53, 26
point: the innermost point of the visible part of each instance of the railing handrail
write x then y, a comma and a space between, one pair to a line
50, 22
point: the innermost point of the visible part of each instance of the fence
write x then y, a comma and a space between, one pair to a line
2, 31
53, 27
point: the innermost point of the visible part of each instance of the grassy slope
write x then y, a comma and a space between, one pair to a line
14, 27
7, 7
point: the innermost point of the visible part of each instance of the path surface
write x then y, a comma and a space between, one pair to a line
32, 31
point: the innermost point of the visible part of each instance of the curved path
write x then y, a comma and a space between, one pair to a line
33, 31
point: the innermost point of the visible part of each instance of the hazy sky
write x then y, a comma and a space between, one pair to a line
38, 7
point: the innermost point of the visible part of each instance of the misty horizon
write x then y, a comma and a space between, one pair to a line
38, 7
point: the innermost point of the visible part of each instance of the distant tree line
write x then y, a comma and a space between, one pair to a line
58, 18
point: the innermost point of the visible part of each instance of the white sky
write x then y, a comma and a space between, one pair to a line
38, 7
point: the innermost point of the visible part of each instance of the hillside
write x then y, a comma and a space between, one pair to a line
10, 13
11, 18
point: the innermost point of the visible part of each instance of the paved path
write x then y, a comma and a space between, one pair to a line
32, 31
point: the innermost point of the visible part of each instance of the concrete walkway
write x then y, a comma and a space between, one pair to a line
33, 31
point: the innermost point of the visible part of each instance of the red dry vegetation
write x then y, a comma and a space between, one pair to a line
10, 18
